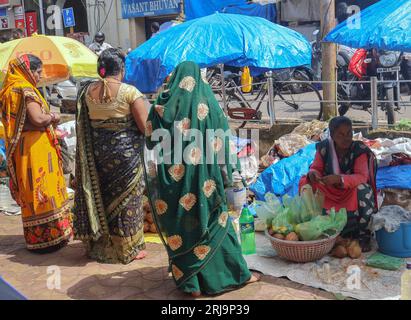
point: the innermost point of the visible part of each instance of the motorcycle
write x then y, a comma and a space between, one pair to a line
344, 56
385, 65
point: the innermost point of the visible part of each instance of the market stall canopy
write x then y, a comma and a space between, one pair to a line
232, 39
62, 57
385, 25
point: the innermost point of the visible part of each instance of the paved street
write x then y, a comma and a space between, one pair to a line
82, 278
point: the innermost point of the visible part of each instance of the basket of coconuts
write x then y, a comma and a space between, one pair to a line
291, 248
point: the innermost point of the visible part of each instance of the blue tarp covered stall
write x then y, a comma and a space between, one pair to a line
385, 25
284, 176
196, 9
232, 39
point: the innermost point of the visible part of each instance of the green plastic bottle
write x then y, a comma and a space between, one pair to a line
247, 231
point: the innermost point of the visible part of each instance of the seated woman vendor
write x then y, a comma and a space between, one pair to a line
344, 170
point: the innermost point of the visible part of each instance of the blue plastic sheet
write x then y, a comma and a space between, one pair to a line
197, 9
398, 177
3, 162
232, 39
384, 25
268, 11
7, 292
284, 176
2, 149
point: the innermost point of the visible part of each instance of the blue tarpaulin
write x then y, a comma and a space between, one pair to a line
385, 25
3, 164
283, 177
398, 177
197, 9
232, 39
7, 292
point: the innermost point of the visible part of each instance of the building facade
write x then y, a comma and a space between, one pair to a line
126, 23
26, 15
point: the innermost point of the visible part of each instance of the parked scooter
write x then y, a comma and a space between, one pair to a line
385, 65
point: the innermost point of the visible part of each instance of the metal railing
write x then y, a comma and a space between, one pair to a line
374, 103
265, 94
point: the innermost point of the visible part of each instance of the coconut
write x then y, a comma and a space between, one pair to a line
339, 252
292, 236
354, 250
279, 236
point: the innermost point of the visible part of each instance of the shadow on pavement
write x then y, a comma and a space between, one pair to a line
14, 247
147, 283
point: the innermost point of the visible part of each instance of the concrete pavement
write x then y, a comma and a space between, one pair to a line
82, 278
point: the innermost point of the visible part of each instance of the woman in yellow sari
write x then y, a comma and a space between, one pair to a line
34, 158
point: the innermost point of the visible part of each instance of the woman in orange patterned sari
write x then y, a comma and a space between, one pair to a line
34, 158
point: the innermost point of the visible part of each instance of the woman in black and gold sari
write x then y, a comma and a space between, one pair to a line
108, 214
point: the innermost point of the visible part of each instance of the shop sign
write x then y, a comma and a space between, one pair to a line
31, 22
143, 8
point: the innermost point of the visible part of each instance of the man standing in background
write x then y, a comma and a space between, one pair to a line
98, 46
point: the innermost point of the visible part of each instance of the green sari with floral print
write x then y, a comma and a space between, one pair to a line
189, 162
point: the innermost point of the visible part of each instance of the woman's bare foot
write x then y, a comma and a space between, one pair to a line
141, 255
255, 276
196, 294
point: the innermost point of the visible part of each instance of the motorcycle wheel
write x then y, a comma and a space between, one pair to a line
389, 106
343, 109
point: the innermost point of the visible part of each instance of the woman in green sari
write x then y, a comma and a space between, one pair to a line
188, 168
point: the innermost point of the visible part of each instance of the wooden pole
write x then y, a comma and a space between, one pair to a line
329, 59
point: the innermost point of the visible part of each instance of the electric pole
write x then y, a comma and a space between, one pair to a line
43, 29
329, 60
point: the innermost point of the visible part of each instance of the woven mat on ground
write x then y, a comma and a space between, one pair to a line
369, 283
152, 238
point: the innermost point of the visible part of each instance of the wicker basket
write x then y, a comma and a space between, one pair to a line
302, 251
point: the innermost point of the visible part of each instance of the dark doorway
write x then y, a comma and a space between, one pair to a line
80, 15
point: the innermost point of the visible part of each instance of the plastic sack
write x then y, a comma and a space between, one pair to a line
268, 209
357, 65
281, 222
382, 261
305, 207
312, 130
290, 143
322, 225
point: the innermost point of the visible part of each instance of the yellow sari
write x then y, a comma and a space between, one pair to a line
34, 163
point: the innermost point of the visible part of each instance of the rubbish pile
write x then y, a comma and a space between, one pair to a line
287, 145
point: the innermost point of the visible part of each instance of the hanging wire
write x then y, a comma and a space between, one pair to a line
108, 13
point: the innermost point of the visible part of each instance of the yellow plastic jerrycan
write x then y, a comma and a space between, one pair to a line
246, 80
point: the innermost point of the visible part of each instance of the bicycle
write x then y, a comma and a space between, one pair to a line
285, 91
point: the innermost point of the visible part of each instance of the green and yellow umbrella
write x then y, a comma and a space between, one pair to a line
62, 57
